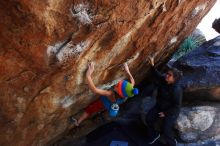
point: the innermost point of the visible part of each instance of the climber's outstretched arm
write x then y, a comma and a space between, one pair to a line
158, 74
92, 85
129, 74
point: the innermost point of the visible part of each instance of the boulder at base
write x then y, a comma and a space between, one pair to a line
201, 69
199, 123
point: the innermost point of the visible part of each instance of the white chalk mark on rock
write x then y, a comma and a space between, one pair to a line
53, 49
69, 50
67, 101
164, 7
173, 40
80, 11
198, 9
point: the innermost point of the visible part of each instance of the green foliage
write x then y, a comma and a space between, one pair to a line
189, 44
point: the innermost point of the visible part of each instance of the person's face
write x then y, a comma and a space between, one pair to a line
169, 77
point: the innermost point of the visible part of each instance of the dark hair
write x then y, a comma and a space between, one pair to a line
216, 25
177, 74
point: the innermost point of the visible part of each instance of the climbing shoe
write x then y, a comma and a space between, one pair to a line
74, 121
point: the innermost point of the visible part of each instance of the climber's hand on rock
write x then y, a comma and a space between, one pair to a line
151, 60
126, 67
90, 69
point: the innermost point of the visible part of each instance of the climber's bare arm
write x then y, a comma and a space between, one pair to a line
129, 74
92, 85
152, 63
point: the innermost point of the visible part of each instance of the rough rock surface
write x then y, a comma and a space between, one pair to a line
199, 123
46, 44
201, 69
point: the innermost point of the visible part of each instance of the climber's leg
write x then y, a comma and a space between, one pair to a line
94, 107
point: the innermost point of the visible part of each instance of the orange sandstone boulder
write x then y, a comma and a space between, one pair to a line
45, 46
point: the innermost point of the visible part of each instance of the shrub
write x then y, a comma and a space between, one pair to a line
189, 44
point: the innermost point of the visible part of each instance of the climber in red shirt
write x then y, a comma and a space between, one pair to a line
108, 99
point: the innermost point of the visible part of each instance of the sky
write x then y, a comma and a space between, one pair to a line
206, 24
